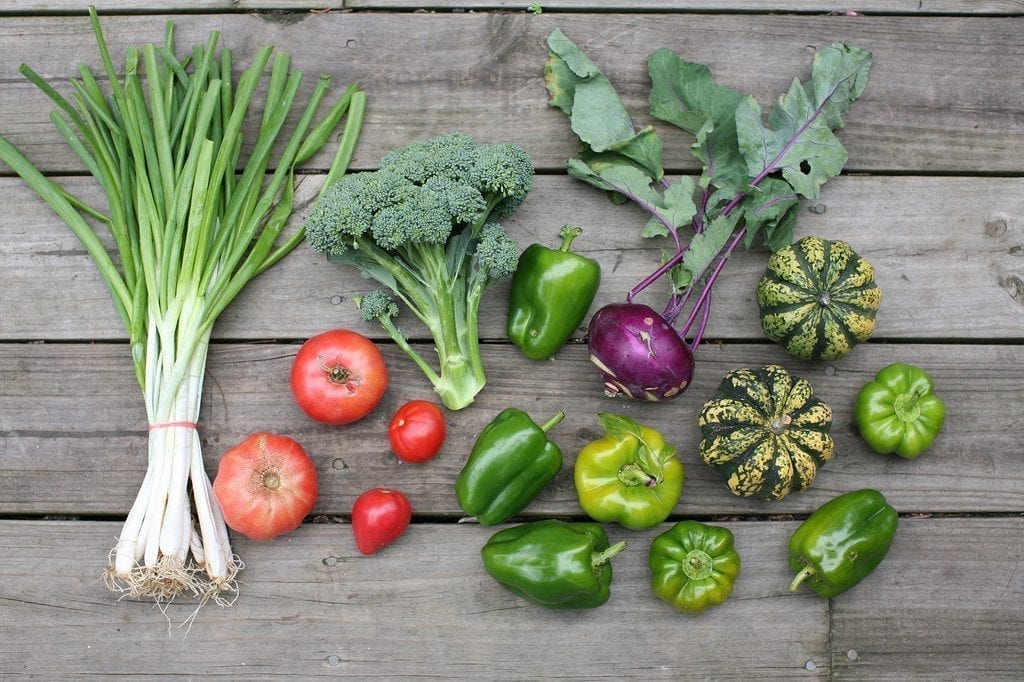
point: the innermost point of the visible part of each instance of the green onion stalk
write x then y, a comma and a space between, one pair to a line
189, 230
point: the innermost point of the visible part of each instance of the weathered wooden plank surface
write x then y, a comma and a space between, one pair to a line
73, 437
836, 6
947, 604
949, 251
949, 256
480, 72
311, 605
943, 7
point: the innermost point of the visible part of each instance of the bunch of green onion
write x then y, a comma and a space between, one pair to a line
190, 230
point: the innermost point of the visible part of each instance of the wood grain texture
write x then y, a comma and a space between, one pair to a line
940, 214
948, 253
948, 605
311, 605
943, 605
72, 427
481, 72
909, 7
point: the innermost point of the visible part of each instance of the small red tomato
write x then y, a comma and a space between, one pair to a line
338, 377
379, 517
265, 486
416, 432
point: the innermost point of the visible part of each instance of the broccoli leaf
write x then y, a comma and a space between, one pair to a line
799, 140
596, 113
684, 94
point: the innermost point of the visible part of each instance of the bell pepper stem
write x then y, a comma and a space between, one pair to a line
803, 575
553, 422
634, 474
568, 234
601, 558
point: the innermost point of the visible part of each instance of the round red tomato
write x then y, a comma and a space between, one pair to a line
379, 517
338, 377
416, 432
265, 486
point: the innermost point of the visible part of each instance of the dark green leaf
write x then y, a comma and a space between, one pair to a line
678, 202
654, 228
706, 246
798, 142
838, 77
684, 94
645, 149
799, 139
597, 116
766, 205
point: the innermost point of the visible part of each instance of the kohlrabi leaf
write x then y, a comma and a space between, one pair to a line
767, 206
654, 228
645, 149
684, 94
705, 246
798, 140
596, 114
678, 202
622, 178
838, 77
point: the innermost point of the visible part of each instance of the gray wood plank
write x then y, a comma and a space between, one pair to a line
836, 6
942, 7
947, 252
480, 72
311, 605
73, 437
949, 604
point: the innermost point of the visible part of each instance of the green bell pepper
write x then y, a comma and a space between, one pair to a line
555, 564
842, 542
693, 565
897, 411
551, 292
629, 476
511, 461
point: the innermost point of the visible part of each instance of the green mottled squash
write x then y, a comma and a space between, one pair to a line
818, 298
765, 432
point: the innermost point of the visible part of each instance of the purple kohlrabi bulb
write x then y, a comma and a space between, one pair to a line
640, 355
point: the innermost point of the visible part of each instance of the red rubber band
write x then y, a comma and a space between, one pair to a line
171, 425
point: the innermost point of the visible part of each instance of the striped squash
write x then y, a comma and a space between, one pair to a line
818, 298
765, 432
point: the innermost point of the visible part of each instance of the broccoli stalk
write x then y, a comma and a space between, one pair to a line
423, 226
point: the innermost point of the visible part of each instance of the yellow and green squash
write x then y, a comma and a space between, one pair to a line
765, 432
818, 298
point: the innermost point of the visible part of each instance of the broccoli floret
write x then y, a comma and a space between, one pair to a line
496, 254
420, 225
338, 218
377, 304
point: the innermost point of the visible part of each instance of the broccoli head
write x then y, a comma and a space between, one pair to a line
421, 225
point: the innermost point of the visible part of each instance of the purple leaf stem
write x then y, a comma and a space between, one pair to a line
705, 294
657, 274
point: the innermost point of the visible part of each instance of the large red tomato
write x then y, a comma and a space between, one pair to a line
416, 432
265, 486
338, 377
